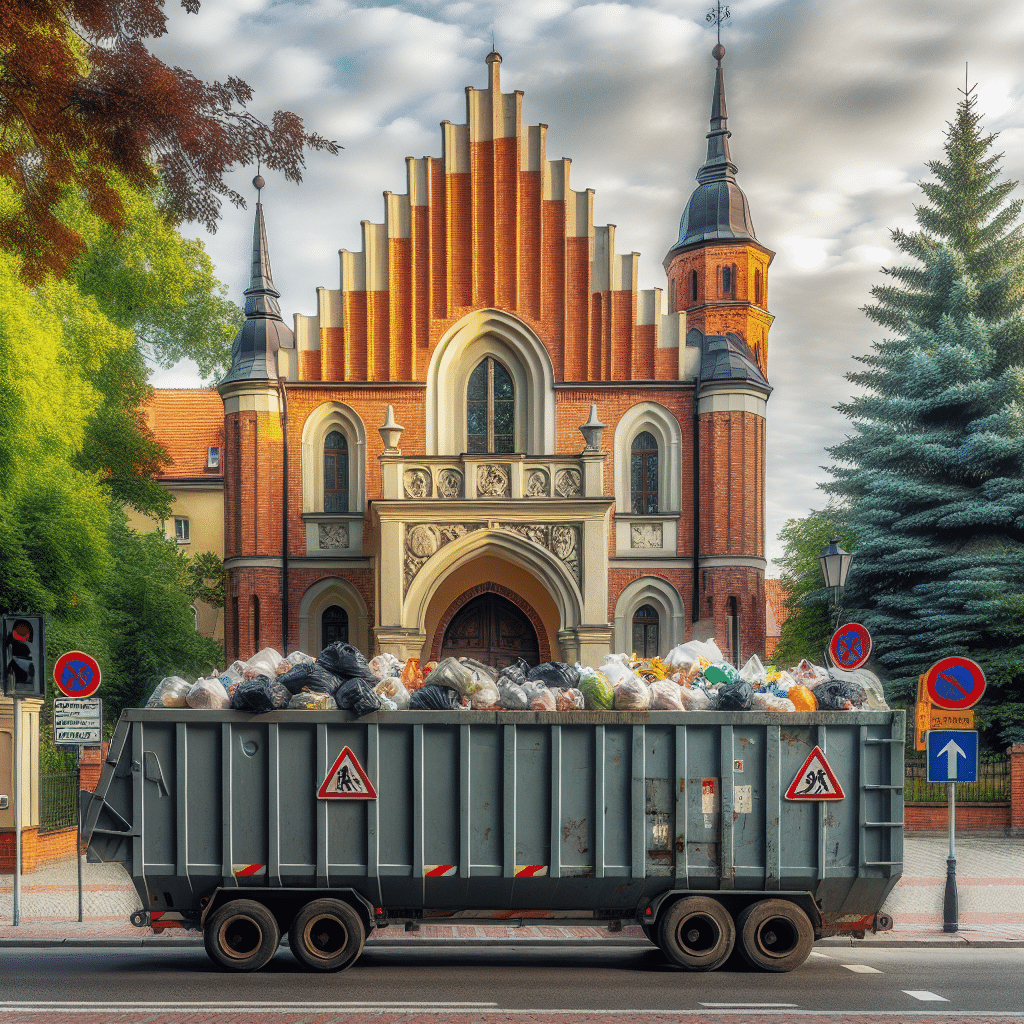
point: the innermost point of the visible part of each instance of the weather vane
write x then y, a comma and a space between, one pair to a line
717, 16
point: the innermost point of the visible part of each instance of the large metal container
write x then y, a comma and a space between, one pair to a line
579, 814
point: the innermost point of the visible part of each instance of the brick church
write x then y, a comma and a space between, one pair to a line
488, 441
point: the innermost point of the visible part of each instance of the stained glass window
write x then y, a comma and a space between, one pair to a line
335, 472
490, 409
643, 474
645, 632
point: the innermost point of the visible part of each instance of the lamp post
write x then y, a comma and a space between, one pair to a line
835, 564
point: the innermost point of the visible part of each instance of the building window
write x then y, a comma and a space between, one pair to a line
732, 631
335, 472
213, 457
672, 295
728, 281
490, 410
255, 623
333, 626
693, 285
757, 288
645, 632
181, 534
643, 473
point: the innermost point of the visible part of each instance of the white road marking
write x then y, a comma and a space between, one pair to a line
824, 956
861, 968
925, 997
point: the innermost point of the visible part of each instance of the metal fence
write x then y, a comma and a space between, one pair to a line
58, 801
993, 785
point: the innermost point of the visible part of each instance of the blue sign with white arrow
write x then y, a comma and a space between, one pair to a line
952, 755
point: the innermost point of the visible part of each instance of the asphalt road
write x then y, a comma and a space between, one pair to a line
471, 984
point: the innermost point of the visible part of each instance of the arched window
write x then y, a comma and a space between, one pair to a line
490, 410
645, 632
728, 281
643, 474
335, 472
333, 626
693, 285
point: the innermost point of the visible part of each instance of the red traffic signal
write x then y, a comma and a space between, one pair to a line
23, 655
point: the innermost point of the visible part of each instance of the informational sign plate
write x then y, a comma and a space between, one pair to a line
78, 722
952, 756
815, 780
955, 683
850, 646
346, 780
77, 674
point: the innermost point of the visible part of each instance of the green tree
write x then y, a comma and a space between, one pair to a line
809, 603
934, 469
207, 579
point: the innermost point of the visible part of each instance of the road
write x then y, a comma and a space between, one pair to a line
464, 984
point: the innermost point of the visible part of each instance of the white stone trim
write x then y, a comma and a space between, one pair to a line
319, 423
317, 599
489, 332
665, 428
732, 401
665, 598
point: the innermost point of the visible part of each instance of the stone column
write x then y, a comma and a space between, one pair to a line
1016, 753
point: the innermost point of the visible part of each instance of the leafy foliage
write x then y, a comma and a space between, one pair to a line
934, 469
207, 579
83, 102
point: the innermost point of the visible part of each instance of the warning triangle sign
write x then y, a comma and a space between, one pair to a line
815, 780
346, 780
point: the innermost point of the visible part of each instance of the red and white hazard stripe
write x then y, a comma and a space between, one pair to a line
531, 870
439, 870
160, 920
248, 870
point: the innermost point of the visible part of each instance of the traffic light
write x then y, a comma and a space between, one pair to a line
23, 655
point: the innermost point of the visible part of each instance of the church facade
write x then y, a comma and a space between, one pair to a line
488, 441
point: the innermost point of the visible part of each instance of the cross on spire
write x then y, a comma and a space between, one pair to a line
717, 16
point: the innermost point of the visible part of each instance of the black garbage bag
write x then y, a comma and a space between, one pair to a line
260, 694
311, 676
514, 673
358, 696
345, 661
434, 698
735, 697
839, 695
555, 674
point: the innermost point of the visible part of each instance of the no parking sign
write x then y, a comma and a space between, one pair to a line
77, 674
850, 646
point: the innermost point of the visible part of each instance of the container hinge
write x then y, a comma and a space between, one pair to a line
882, 863
883, 824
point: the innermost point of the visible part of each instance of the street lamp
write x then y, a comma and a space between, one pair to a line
835, 564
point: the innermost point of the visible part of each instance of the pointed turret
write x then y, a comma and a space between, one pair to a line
254, 352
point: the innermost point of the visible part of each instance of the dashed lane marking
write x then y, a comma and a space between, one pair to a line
925, 997
824, 956
861, 968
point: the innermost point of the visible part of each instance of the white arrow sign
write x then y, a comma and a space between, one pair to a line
951, 751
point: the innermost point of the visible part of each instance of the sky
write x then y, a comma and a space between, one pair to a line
835, 108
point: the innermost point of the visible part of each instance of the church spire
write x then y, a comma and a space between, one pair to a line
718, 166
254, 352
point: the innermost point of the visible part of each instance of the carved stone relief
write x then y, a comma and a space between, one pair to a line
569, 483
537, 483
646, 535
562, 540
424, 539
493, 482
417, 483
449, 483
333, 535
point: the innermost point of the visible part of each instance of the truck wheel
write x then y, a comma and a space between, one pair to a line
775, 935
697, 933
242, 935
327, 935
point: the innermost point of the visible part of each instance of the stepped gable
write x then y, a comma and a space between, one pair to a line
490, 224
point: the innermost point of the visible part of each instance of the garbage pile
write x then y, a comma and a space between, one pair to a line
692, 677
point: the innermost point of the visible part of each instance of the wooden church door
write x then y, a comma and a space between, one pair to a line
493, 630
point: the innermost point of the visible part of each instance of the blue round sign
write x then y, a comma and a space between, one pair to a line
850, 646
955, 683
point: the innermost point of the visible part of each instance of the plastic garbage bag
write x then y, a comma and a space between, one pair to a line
299, 658
234, 673
356, 695
555, 674
802, 698
649, 669
434, 698
511, 696
569, 700
616, 670
170, 692
687, 654
515, 673
874, 693
392, 689
839, 695
809, 675
412, 676
683, 660
263, 663
385, 665
452, 673
695, 698
310, 700
665, 696
208, 694
539, 696
485, 693
488, 696
723, 673
259, 695
632, 694
753, 672
765, 700
345, 661
738, 696
311, 676
597, 691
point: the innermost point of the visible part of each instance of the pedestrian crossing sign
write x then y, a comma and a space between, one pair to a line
815, 780
346, 780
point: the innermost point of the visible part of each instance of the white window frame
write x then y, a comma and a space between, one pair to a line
213, 457
182, 536
320, 422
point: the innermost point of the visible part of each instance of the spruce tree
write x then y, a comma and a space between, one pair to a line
933, 470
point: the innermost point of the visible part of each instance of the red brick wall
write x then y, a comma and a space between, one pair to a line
934, 817
1017, 787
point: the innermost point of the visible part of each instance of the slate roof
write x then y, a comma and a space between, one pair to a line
727, 357
187, 422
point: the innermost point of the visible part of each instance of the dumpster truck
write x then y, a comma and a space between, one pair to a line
715, 831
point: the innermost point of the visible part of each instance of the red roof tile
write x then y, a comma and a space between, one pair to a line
187, 422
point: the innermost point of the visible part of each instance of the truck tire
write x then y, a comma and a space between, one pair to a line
242, 935
327, 935
697, 933
775, 935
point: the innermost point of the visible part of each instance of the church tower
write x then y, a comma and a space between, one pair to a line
718, 277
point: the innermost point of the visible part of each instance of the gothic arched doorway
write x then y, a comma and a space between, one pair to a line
492, 630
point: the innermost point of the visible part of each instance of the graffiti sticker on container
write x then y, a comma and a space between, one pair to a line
815, 780
346, 780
